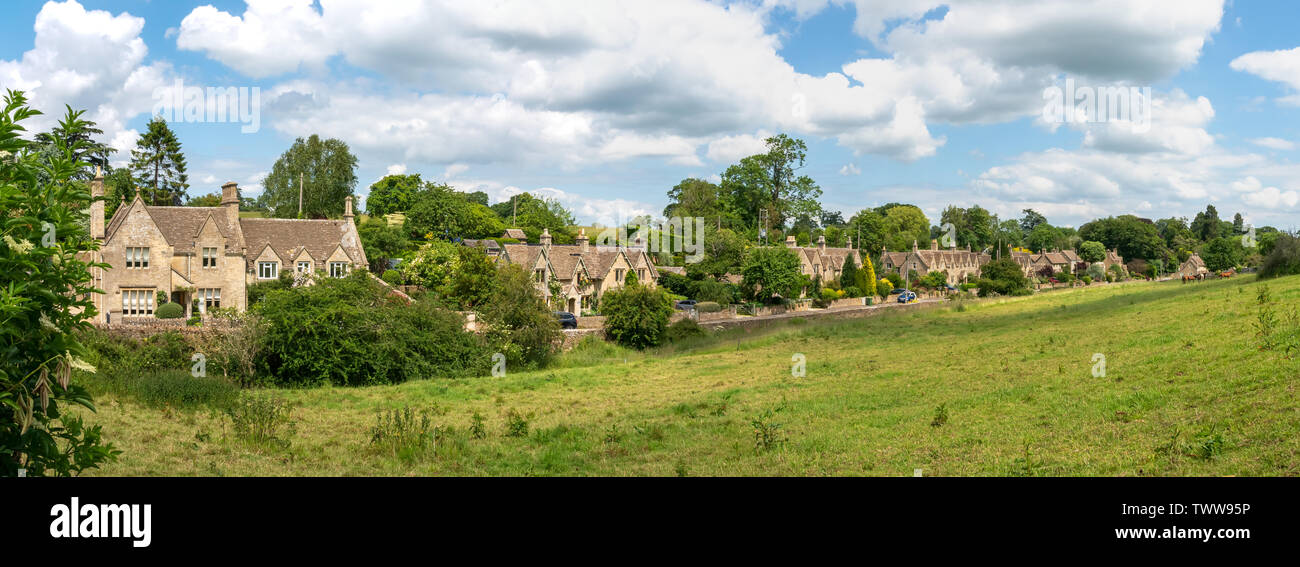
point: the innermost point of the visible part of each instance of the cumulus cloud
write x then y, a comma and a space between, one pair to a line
1274, 143
609, 212
88, 59
850, 169
1282, 66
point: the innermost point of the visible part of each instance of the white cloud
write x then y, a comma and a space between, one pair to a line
1281, 66
586, 210
397, 169
272, 36
850, 169
88, 59
1274, 143
730, 149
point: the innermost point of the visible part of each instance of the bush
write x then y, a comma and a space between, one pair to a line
852, 291
708, 307
257, 291
683, 329
1003, 277
636, 316
711, 290
404, 433
519, 324
349, 331
1087, 280
170, 311
1283, 259
392, 277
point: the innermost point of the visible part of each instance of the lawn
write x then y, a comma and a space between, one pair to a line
997, 387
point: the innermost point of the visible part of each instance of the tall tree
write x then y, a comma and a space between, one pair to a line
81, 140
327, 170
1030, 221
158, 163
768, 182
1206, 225
393, 194
694, 198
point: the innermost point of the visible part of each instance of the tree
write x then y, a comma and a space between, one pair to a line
393, 194
694, 198
771, 271
636, 316
1283, 259
158, 163
1092, 251
973, 226
724, 253
432, 266
1030, 221
1223, 253
1134, 237
475, 281
45, 300
438, 211
1238, 224
905, 224
867, 228
382, 243
1206, 226
867, 277
526, 211
518, 321
327, 171
86, 149
848, 273
209, 200
767, 182
1042, 237
1003, 277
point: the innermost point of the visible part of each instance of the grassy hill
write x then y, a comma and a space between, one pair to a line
1003, 387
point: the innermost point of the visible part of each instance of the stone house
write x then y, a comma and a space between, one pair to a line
207, 253
959, 265
822, 260
583, 270
1194, 266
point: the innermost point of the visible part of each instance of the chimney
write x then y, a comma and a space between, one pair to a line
230, 198
790, 242
821, 242
934, 244
546, 238
347, 208
581, 240
914, 246
848, 242
97, 205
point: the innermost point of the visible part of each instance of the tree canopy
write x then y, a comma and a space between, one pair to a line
327, 170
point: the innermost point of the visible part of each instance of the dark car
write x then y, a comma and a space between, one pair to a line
685, 304
566, 319
897, 291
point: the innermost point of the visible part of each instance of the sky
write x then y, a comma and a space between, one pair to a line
607, 105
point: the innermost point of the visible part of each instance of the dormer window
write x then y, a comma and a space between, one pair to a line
268, 270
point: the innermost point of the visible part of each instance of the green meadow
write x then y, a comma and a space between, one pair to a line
999, 387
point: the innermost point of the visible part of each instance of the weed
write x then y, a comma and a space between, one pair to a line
516, 424
477, 429
261, 419
767, 434
940, 416
404, 433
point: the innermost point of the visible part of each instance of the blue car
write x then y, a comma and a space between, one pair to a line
566, 319
907, 297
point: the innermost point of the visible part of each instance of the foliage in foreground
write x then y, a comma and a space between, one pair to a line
42, 281
637, 316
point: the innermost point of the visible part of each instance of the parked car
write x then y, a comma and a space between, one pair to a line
1054, 280
906, 297
897, 291
566, 319
685, 304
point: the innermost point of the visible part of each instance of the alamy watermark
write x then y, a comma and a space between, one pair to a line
1077, 104
676, 234
220, 105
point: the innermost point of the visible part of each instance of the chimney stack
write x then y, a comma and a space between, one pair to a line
848, 242
790, 241
934, 244
821, 242
97, 205
914, 246
582, 240
347, 208
546, 238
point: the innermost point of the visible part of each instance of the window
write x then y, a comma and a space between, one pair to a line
137, 257
304, 267
137, 302
209, 298
618, 275
338, 269
209, 257
268, 270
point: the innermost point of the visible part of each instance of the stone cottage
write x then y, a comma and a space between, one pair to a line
207, 253
822, 260
584, 271
959, 265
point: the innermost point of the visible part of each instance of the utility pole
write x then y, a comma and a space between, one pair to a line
299, 194
514, 210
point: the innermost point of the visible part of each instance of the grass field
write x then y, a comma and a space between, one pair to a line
1000, 387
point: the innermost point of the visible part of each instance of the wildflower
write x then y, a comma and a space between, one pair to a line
45, 322
19, 247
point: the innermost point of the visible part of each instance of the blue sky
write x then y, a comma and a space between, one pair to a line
605, 107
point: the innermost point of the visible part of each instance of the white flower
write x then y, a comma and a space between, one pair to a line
80, 364
19, 247
45, 322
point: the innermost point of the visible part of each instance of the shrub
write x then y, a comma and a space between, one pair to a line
170, 311
708, 307
1087, 280
1283, 259
852, 291
258, 291
1003, 277
519, 324
392, 277
348, 331
683, 329
712, 290
516, 424
637, 316
1097, 272
675, 283
771, 271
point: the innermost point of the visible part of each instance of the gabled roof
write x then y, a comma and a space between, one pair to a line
1057, 258
181, 225
287, 237
523, 254
515, 233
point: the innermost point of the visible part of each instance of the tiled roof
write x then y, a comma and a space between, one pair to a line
516, 233
287, 237
523, 254
181, 225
